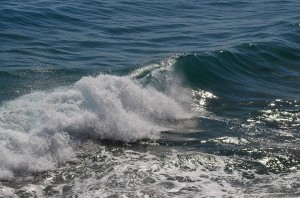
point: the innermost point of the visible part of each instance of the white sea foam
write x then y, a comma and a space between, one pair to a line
135, 174
35, 129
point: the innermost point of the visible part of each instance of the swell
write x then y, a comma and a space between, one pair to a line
249, 71
258, 84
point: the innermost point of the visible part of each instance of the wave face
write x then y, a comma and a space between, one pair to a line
256, 83
249, 71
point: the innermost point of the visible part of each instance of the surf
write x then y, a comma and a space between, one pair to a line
37, 129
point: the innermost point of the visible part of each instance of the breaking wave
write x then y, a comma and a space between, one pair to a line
37, 128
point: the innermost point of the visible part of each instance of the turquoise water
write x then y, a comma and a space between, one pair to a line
149, 99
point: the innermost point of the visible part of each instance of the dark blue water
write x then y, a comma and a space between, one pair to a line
149, 99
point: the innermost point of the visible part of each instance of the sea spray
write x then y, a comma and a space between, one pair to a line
36, 129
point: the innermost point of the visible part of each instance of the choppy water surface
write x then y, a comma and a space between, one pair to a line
149, 99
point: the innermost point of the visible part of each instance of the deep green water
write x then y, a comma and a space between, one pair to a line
149, 99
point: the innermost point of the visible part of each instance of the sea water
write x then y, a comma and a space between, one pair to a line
149, 98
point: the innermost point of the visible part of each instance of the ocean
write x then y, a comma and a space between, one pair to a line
150, 98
